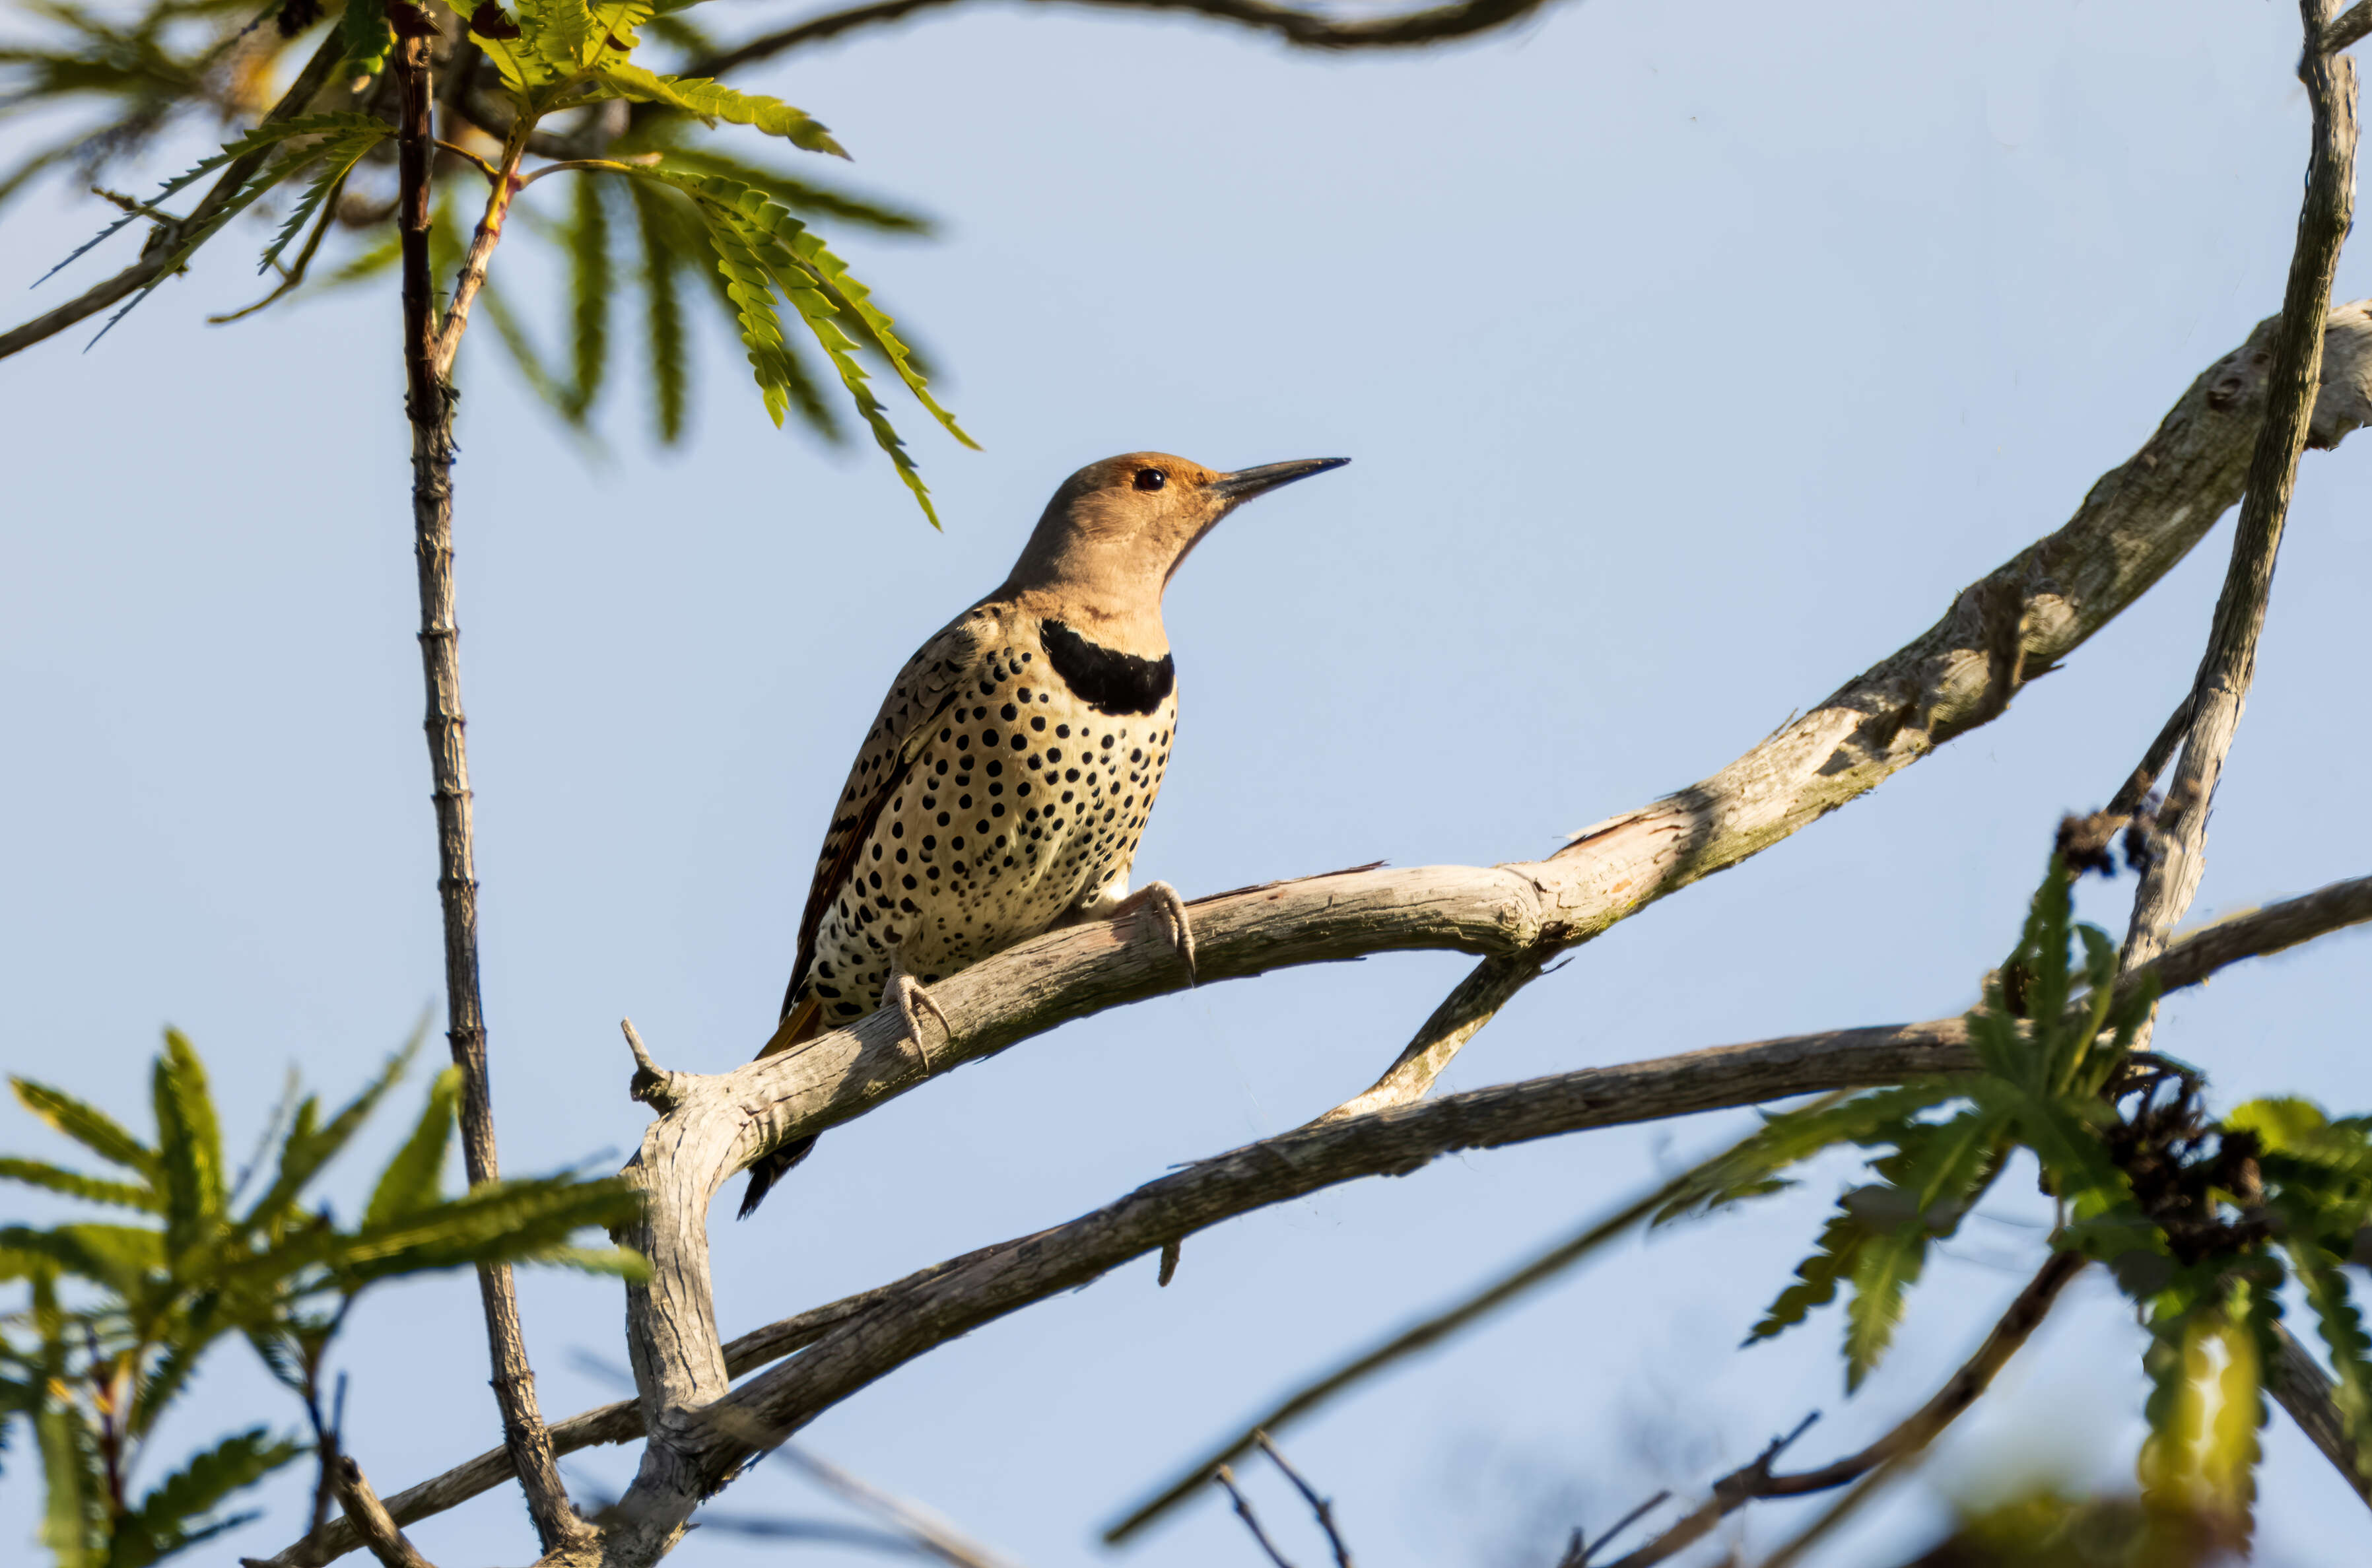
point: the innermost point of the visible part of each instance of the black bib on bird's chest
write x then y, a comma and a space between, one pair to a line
1107, 681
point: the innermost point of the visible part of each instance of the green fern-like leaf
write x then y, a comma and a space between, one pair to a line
189, 1144
1817, 1277
173, 1515
367, 39
336, 157
2327, 1292
75, 1184
86, 1125
1792, 1137
803, 197
852, 297
713, 101
113, 1257
1884, 1269
415, 1178
258, 139
309, 1146
662, 268
589, 285
72, 1493
505, 1222
2060, 1132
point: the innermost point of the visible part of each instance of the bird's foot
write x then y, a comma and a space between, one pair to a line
1161, 896
908, 995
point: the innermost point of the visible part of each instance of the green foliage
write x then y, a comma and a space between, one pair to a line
328, 143
121, 1315
766, 255
554, 58
2202, 1221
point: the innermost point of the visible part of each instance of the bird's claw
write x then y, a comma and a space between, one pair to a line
1163, 897
908, 992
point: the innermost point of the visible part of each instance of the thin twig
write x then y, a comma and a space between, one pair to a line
1306, 29
1227, 1478
1583, 1548
1880, 1477
2304, 1390
292, 278
492, 175
429, 405
1321, 1507
2220, 691
233, 176
2144, 778
936, 1535
481, 253
1471, 1004
1422, 1335
1733, 1491
362, 1505
590, 166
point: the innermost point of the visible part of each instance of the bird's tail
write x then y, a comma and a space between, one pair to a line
804, 1019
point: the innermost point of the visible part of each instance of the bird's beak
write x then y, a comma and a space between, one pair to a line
1245, 483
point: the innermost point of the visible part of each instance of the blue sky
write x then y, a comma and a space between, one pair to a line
1691, 359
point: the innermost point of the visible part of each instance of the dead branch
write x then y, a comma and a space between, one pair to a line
2294, 381
1322, 1508
364, 1511
2304, 1389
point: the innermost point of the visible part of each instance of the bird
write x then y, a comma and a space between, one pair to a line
1004, 784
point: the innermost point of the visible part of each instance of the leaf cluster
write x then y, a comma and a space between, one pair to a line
118, 1315
2202, 1221
665, 205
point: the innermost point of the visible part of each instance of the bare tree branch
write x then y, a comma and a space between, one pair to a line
137, 276
1475, 1001
1402, 1140
2294, 381
2304, 1389
1323, 1507
1582, 1548
934, 1536
1306, 30
428, 404
2136, 788
364, 1510
2350, 28
1225, 1480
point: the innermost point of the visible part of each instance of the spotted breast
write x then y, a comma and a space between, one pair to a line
1004, 786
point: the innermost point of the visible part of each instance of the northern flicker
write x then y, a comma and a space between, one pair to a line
1002, 789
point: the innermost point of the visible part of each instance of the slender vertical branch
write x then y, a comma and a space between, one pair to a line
429, 405
489, 233
2221, 688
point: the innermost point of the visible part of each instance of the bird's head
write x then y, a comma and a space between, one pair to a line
1116, 530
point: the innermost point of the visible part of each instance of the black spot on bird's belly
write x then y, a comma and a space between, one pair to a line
1106, 681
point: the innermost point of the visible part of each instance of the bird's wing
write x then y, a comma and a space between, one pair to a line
926, 688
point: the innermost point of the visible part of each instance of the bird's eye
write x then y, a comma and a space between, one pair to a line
1151, 479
